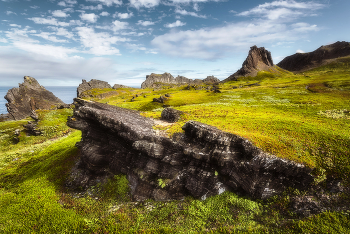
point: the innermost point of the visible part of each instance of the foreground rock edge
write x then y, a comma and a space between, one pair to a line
201, 162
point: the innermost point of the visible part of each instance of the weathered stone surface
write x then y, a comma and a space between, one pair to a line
119, 86
28, 97
300, 62
92, 84
202, 162
171, 115
154, 80
258, 59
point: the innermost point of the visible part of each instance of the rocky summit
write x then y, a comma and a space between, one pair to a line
29, 96
259, 59
203, 161
300, 62
153, 80
92, 84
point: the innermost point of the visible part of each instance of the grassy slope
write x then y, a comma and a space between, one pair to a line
300, 117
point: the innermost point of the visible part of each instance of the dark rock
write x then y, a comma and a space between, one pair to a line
300, 62
92, 84
211, 80
64, 106
5, 117
31, 128
167, 95
161, 99
171, 115
28, 97
258, 59
202, 162
119, 86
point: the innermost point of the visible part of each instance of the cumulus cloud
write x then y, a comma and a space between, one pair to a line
119, 25
177, 23
108, 2
123, 15
104, 13
50, 21
92, 18
92, 8
62, 32
144, 3
49, 37
67, 3
300, 51
59, 13
99, 43
145, 23
10, 12
184, 12
3, 40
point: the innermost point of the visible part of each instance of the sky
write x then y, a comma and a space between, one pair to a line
61, 42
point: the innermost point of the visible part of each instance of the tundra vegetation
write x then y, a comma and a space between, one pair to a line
303, 117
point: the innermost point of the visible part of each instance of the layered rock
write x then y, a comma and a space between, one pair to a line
119, 86
92, 84
259, 59
154, 79
300, 62
203, 161
29, 96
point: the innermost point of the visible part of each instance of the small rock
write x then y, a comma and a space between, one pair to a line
171, 115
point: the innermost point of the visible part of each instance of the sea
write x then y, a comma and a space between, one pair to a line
65, 93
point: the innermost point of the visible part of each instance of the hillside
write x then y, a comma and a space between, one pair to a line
301, 62
302, 117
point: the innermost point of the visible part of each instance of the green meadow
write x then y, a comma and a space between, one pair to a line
302, 117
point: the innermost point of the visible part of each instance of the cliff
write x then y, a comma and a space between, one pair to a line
29, 96
92, 84
259, 59
167, 78
300, 62
203, 161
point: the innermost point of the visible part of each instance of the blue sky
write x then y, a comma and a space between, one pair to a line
61, 42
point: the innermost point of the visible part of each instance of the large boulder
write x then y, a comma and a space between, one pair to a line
300, 62
92, 84
29, 96
259, 59
201, 162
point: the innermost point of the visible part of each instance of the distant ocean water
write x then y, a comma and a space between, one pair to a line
65, 93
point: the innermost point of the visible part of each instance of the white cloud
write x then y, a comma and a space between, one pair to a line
108, 2
34, 7
59, 13
92, 8
304, 27
144, 3
62, 3
300, 52
177, 23
184, 12
285, 9
213, 43
48, 36
104, 13
92, 18
10, 12
99, 43
50, 21
3, 40
119, 25
145, 23
62, 32
196, 7
67, 3
15, 25
123, 15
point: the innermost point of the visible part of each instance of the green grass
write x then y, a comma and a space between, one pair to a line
303, 117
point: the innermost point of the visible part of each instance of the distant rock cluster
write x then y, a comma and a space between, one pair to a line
166, 78
28, 97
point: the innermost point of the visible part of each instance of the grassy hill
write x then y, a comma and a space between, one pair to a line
303, 117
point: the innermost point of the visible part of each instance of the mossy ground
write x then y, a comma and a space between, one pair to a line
303, 117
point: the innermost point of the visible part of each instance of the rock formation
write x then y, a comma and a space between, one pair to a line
154, 79
300, 62
203, 161
28, 97
92, 84
259, 59
119, 86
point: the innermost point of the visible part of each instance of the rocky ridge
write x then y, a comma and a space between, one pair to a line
259, 59
300, 62
153, 80
29, 96
202, 162
92, 84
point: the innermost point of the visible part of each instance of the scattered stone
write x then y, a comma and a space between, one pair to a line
167, 95
28, 97
171, 115
161, 99
31, 128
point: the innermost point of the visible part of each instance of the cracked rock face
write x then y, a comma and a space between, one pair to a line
203, 161
29, 96
92, 84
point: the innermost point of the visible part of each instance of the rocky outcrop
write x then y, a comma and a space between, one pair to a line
259, 59
300, 62
28, 97
171, 115
202, 161
119, 86
92, 84
153, 80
